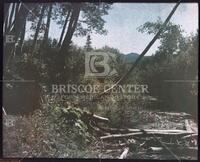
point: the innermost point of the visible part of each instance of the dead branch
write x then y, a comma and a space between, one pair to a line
92, 126
100, 119
146, 134
113, 146
96, 118
190, 126
124, 153
129, 130
187, 126
177, 150
181, 114
190, 136
89, 115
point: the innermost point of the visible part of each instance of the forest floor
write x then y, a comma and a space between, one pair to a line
16, 145
152, 148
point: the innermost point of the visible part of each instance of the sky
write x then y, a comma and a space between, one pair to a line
124, 18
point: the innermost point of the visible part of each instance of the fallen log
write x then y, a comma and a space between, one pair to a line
97, 130
155, 149
100, 119
129, 130
110, 151
96, 118
120, 145
190, 126
182, 114
114, 146
146, 134
187, 126
116, 130
190, 136
86, 115
177, 150
124, 153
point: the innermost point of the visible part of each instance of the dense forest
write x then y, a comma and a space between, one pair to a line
48, 125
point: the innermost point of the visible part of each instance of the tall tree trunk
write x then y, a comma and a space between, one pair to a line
38, 27
64, 27
15, 18
60, 60
6, 25
6, 11
16, 12
11, 16
22, 35
46, 33
6, 16
71, 28
15, 31
68, 37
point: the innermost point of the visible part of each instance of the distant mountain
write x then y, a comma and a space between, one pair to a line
129, 58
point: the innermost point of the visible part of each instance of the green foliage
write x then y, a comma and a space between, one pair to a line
88, 45
53, 131
92, 18
171, 40
171, 75
60, 12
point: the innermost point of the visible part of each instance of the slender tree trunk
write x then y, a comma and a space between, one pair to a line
6, 25
16, 15
16, 11
6, 13
71, 28
22, 35
15, 31
46, 33
6, 16
68, 37
64, 27
38, 27
11, 16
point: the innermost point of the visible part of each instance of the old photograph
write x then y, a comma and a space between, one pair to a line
100, 80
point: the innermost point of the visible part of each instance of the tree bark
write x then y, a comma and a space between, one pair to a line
46, 33
16, 15
15, 31
145, 134
191, 126
63, 29
38, 27
22, 35
6, 25
6, 13
124, 153
16, 10
11, 16
68, 37
71, 27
